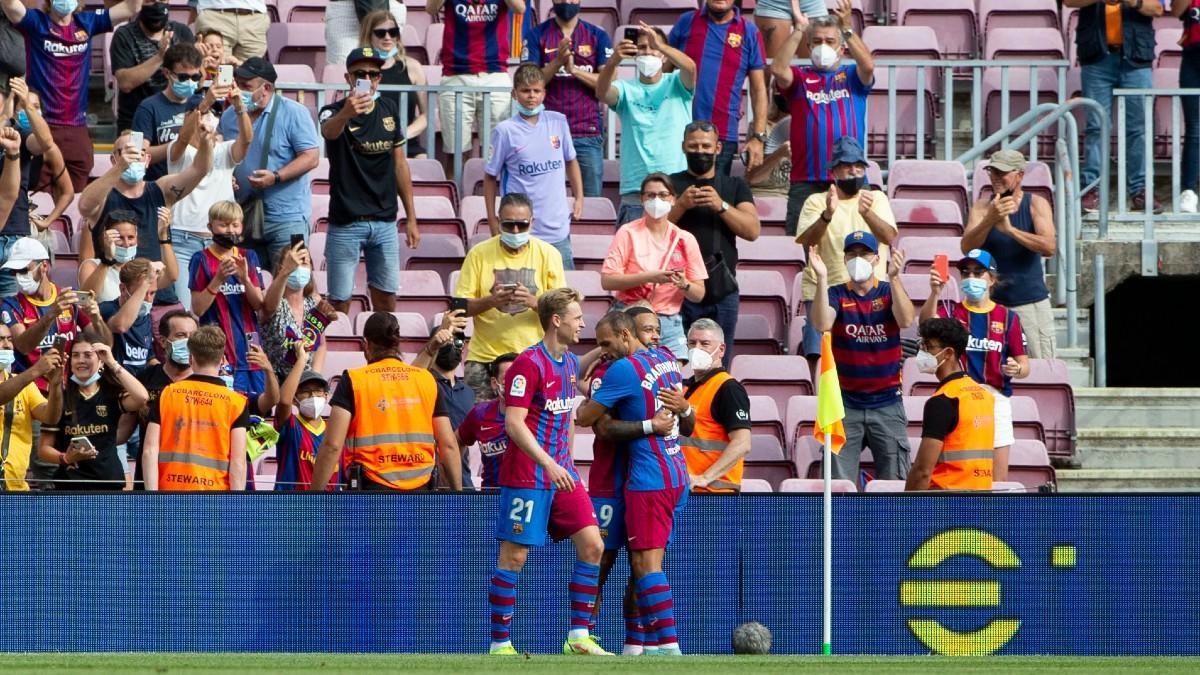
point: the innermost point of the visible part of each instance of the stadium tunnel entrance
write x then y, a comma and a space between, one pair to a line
1149, 342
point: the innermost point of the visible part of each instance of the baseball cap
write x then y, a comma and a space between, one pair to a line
364, 54
847, 150
24, 251
1006, 160
312, 376
861, 238
979, 257
256, 66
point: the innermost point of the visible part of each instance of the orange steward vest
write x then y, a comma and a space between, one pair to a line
966, 459
196, 417
709, 438
391, 431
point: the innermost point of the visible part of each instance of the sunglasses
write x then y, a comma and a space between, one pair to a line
184, 77
386, 32
367, 74
514, 224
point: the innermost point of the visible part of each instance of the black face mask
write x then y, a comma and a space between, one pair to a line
566, 10
227, 240
700, 163
850, 186
154, 17
719, 15
448, 357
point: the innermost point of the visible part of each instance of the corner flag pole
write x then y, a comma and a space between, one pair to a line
827, 508
832, 433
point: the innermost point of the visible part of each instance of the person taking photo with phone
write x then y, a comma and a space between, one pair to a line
442, 355
24, 404
293, 311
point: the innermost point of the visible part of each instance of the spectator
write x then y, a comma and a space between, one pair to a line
123, 188
501, 279
26, 146
128, 316
189, 233
995, 342
285, 148
866, 316
828, 218
771, 178
475, 50
242, 23
99, 391
139, 52
28, 108
579, 50
116, 242
381, 31
1017, 229
365, 146
10, 175
728, 51
1114, 43
41, 311
299, 434
957, 430
654, 108
442, 355
717, 210
345, 23
532, 154
1189, 78
720, 407
776, 18
484, 426
388, 447
294, 311
828, 100
212, 45
160, 116
192, 447
652, 259
19, 393
226, 285
174, 329
59, 51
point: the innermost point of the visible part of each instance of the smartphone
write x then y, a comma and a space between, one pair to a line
631, 34
297, 239
84, 297
941, 264
60, 343
362, 87
508, 287
457, 304
1006, 193
252, 340
136, 140
83, 442
224, 75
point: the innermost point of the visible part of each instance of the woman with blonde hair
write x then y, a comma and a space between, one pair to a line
381, 31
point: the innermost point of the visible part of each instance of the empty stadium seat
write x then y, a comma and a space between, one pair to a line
414, 42
338, 362
811, 485
879, 485
755, 336
596, 300
298, 73
999, 14
301, 11
919, 252
1008, 486
767, 460
442, 253
929, 179
589, 250
772, 214
927, 217
1049, 385
779, 253
434, 36
472, 176
908, 108
954, 22
422, 292
779, 377
909, 43
755, 485
764, 292
302, 43
765, 418
654, 12
473, 214
1025, 43
1018, 88
1167, 52
414, 329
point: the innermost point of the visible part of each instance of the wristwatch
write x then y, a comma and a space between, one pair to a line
760, 136
724, 207
847, 34
278, 179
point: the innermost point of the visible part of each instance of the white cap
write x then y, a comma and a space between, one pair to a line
24, 251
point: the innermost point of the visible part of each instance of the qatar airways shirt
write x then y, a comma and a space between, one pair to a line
532, 158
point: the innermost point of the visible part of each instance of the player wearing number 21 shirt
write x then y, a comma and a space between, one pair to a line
540, 490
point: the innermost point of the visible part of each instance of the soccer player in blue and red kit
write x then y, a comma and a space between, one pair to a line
540, 491
657, 481
484, 424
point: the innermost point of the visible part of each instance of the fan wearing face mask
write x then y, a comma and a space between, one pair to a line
958, 426
128, 316
828, 99
174, 329
442, 355
116, 243
160, 116
302, 398
137, 53
865, 317
828, 218
996, 350
654, 108
294, 310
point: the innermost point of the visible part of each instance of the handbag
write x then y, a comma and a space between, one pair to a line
252, 209
643, 292
721, 281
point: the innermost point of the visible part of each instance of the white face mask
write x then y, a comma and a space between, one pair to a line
657, 208
28, 284
858, 269
312, 407
700, 360
648, 66
824, 57
926, 362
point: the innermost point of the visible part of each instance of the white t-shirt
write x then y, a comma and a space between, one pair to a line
191, 213
112, 284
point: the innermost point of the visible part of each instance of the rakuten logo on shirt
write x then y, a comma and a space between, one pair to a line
975, 344
59, 49
539, 168
232, 289
826, 97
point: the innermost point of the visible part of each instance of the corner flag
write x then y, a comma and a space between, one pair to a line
830, 412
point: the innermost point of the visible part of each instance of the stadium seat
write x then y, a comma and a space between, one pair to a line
779, 377
1008, 486
302, 43
919, 252
755, 336
414, 329
599, 217
879, 485
320, 177
909, 43
858, 12
811, 485
413, 40
301, 11
473, 214
65, 272
442, 253
954, 22
298, 73
927, 217
436, 214
999, 14
1038, 180
604, 13
654, 12
1167, 52
338, 362
767, 461
426, 170
582, 449
917, 286
472, 176
316, 248
755, 485
433, 43
779, 253
596, 300
1049, 385
795, 335
929, 179
422, 292
1018, 87
772, 213
319, 215
589, 250
764, 292
1024, 43
765, 419
903, 124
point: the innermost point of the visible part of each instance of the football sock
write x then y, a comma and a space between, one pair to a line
502, 598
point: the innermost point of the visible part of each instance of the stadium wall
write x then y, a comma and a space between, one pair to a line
1007, 574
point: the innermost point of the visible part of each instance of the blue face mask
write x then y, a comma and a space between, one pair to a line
23, 120
144, 310
64, 7
514, 240
531, 112
134, 173
228, 380
7, 356
389, 53
123, 254
179, 352
299, 278
184, 88
88, 382
248, 101
974, 288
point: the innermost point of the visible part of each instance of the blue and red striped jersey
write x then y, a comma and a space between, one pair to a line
565, 93
630, 392
825, 106
724, 54
229, 311
296, 453
609, 460
993, 335
475, 37
484, 425
866, 346
546, 388
59, 58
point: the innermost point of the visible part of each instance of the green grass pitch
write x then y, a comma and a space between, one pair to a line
295, 664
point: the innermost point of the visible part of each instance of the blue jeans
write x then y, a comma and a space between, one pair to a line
672, 336
186, 245
276, 237
1189, 78
590, 153
725, 158
1099, 80
379, 240
8, 280
564, 248
723, 311
631, 209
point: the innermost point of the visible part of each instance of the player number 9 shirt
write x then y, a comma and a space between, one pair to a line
546, 388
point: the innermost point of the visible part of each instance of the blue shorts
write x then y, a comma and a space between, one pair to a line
527, 515
610, 514
781, 9
377, 241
